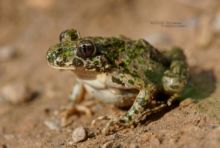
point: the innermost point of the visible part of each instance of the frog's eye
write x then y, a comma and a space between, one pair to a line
69, 35
86, 49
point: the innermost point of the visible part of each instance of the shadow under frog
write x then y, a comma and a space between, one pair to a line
202, 85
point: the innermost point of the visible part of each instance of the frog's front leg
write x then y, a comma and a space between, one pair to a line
135, 114
78, 92
146, 93
76, 106
140, 105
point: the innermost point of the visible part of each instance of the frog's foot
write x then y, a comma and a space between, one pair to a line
172, 99
114, 124
69, 111
151, 111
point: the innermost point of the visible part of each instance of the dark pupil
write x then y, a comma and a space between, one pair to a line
85, 49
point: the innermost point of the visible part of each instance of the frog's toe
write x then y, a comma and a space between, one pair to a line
114, 124
100, 118
70, 111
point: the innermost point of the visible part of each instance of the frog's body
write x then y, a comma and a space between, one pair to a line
126, 72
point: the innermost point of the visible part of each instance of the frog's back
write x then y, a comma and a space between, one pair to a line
143, 60
136, 57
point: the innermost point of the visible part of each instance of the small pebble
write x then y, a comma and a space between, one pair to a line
114, 136
7, 53
134, 145
108, 144
15, 93
216, 23
52, 125
79, 134
214, 126
111, 144
9, 136
155, 142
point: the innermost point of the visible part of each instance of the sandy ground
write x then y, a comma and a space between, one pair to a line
29, 27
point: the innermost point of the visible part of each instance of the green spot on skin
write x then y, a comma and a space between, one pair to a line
116, 80
142, 101
131, 82
96, 62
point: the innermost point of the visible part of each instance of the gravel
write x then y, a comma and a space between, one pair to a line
7, 53
52, 125
79, 134
15, 93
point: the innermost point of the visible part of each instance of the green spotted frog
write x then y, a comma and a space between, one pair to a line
129, 73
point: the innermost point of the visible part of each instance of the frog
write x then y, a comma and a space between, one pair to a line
128, 73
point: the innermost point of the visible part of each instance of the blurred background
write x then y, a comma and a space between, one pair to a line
29, 27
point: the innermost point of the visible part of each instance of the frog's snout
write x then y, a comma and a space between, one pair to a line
50, 57
53, 57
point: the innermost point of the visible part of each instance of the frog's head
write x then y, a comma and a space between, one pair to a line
77, 54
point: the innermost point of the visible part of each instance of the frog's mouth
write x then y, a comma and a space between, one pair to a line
79, 71
75, 69
63, 68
